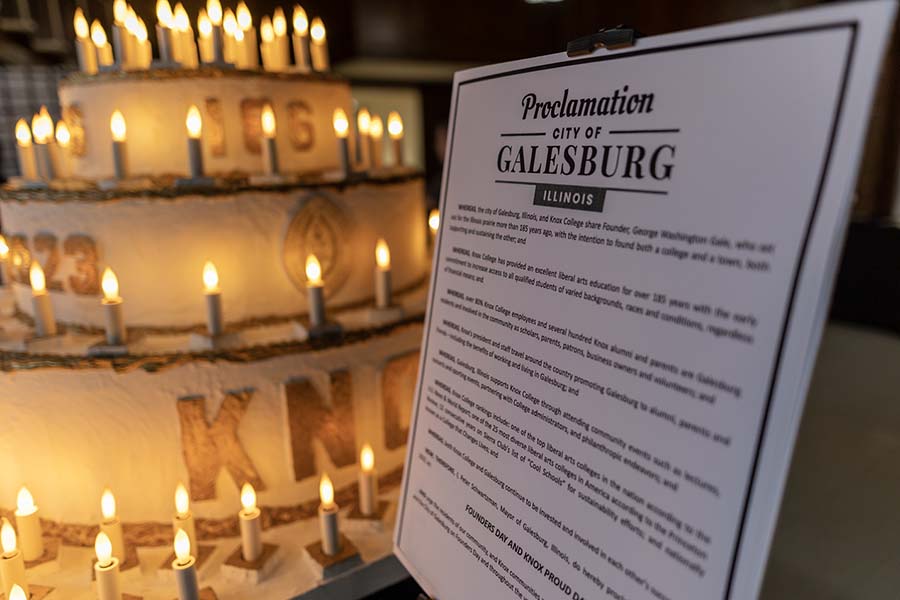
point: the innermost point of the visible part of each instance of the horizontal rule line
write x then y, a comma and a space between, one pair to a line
523, 134
609, 189
614, 131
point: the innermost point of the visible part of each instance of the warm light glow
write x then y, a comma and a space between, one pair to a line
248, 498
326, 490
63, 137
238, 34
182, 500
341, 125
229, 23
117, 126
367, 458
363, 121
181, 22
382, 254
214, 11
110, 285
103, 549
25, 502
23, 133
81, 24
317, 31
267, 119
164, 13
36, 275
8, 537
210, 277
266, 30
204, 25
279, 23
434, 220
182, 546
120, 11
376, 127
108, 505
244, 18
17, 593
395, 125
194, 122
313, 270
42, 126
4, 248
98, 35
301, 22
137, 26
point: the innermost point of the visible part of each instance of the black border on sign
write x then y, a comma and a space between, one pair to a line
853, 26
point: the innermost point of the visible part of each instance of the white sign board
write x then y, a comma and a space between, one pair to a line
633, 269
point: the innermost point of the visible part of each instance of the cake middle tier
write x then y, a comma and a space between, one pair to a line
258, 239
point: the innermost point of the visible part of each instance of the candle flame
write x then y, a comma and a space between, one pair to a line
266, 30
8, 537
279, 23
363, 120
103, 549
367, 458
434, 220
182, 500
108, 505
267, 118
244, 18
63, 136
194, 122
210, 277
117, 126
182, 546
229, 23
204, 25
25, 502
214, 11
23, 133
301, 22
326, 490
42, 126
120, 11
4, 248
317, 31
395, 125
110, 285
248, 497
340, 122
17, 593
98, 34
238, 34
138, 28
164, 13
180, 21
382, 254
313, 270
376, 127
81, 24
38, 281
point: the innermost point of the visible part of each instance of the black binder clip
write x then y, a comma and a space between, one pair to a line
611, 38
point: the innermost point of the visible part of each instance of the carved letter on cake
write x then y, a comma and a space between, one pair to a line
86, 280
320, 228
312, 417
46, 251
214, 127
19, 258
398, 386
251, 111
300, 128
208, 448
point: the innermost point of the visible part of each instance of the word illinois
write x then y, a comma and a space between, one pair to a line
626, 161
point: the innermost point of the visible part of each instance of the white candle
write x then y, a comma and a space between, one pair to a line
240, 49
363, 123
44, 321
376, 134
165, 38
245, 24
112, 308
382, 274
395, 130
187, 48
229, 25
301, 38
118, 130
267, 34
12, 562
111, 525
63, 145
184, 568
194, 124
120, 35
368, 482
280, 45
318, 46
133, 48
214, 12
251, 524
28, 522
104, 50
342, 131
269, 149
25, 151
213, 299
106, 570
4, 262
42, 129
315, 288
183, 519
205, 41
143, 51
328, 518
84, 47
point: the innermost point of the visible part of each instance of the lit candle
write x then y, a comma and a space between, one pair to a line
111, 525
17, 593
12, 562
301, 38
184, 568
165, 37
187, 55
245, 24
434, 221
240, 48
395, 130
342, 131
270, 150
120, 34
376, 135
84, 47
205, 29
25, 151
214, 12
328, 518
315, 291
4, 262
382, 274
106, 569
229, 25
251, 524
183, 519
318, 48
267, 33
28, 522
42, 129
213, 299
44, 321
194, 124
120, 158
363, 122
112, 308
63, 143
104, 50
143, 51
368, 482
280, 45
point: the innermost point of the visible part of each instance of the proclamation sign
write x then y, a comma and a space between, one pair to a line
632, 275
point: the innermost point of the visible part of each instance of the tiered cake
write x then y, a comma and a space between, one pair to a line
271, 400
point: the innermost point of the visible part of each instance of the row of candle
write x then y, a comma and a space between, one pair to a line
226, 38
109, 545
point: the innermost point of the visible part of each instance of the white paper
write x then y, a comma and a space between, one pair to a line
608, 399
